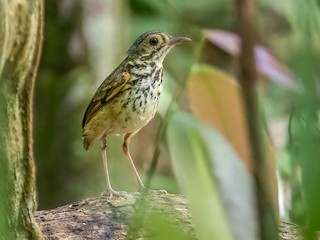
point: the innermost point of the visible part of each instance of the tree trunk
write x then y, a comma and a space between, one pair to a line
20, 44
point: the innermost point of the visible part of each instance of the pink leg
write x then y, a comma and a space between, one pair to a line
110, 192
125, 148
105, 162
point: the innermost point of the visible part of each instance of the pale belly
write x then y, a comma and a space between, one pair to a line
133, 116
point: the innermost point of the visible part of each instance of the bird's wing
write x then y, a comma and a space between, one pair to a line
107, 91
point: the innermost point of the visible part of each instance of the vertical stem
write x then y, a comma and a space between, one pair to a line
248, 79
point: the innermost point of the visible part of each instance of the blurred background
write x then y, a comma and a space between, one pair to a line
85, 40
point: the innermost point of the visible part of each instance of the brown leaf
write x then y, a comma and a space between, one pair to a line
215, 98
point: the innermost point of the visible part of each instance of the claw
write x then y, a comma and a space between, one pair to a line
147, 190
111, 193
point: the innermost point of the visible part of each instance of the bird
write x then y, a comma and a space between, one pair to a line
128, 98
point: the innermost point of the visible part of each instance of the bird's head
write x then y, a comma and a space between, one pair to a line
154, 46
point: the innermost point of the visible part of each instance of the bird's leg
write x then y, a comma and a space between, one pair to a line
125, 148
110, 192
105, 163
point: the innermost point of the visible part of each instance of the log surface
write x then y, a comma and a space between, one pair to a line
100, 218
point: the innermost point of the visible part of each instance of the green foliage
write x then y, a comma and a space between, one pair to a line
305, 126
301, 49
153, 223
189, 154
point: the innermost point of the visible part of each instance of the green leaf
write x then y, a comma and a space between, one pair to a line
189, 159
214, 180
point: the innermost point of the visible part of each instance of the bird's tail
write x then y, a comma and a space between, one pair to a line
90, 136
88, 139
86, 143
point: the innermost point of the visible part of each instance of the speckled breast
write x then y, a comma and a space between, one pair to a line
137, 102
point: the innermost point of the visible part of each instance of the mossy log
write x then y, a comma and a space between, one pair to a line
100, 218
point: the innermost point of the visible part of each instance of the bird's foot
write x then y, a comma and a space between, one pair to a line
110, 193
158, 191
149, 191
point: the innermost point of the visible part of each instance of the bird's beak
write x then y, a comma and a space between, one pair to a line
179, 40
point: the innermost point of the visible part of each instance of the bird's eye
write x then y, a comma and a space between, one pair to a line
153, 41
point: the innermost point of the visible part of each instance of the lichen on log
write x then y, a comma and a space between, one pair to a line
127, 217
